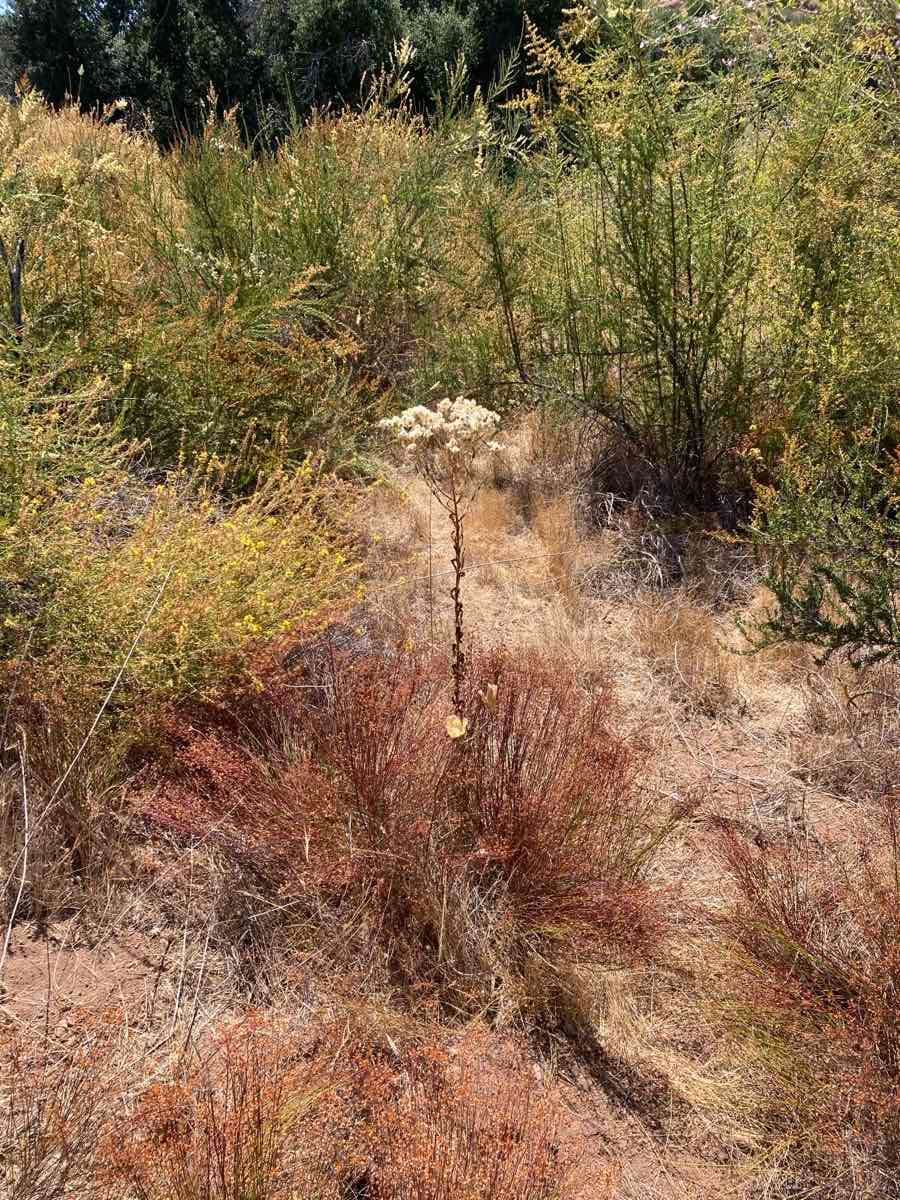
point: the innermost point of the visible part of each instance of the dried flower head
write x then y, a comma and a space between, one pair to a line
443, 443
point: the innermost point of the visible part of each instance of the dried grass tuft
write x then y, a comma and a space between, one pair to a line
683, 645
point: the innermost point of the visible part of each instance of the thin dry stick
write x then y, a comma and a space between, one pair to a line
196, 1005
18, 900
14, 689
430, 569
15, 267
183, 965
444, 445
458, 669
115, 683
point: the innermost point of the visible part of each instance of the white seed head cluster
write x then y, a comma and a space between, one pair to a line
457, 427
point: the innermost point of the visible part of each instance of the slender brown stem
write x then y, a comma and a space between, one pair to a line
458, 662
430, 568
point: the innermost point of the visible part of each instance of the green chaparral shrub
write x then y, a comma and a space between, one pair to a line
832, 530
641, 308
676, 234
52, 39
124, 593
827, 509
255, 306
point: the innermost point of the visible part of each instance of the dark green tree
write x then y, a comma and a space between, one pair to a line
441, 33
177, 51
273, 57
164, 55
63, 46
314, 53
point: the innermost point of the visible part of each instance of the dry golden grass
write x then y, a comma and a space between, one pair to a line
848, 742
685, 646
554, 523
545, 455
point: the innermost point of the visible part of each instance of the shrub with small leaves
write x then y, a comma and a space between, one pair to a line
488, 869
173, 577
812, 996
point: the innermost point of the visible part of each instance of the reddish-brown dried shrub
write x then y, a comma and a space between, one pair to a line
259, 1113
552, 812
249, 1115
54, 1104
465, 860
451, 1134
816, 930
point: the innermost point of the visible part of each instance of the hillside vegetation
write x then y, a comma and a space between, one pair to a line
545, 852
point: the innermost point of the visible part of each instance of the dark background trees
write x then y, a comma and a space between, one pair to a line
65, 46
273, 57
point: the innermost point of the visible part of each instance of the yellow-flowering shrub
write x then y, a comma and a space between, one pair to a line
196, 584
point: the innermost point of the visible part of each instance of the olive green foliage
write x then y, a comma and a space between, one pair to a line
833, 529
830, 525
659, 200
208, 334
500, 25
161, 513
56, 41
163, 57
667, 349
255, 307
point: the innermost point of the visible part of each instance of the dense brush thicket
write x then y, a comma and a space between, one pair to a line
673, 234
686, 230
